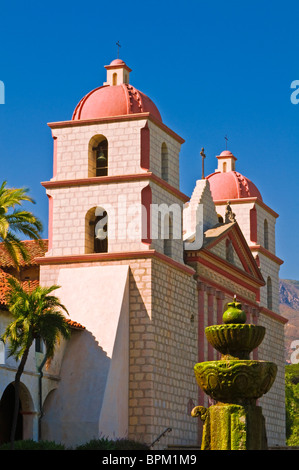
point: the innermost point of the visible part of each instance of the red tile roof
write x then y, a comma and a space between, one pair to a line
74, 324
34, 248
4, 286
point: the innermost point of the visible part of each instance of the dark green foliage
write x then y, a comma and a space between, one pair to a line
97, 444
107, 444
32, 445
292, 404
126, 444
94, 444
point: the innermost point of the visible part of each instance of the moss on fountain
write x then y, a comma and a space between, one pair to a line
235, 382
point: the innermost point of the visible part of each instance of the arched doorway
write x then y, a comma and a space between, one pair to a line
6, 415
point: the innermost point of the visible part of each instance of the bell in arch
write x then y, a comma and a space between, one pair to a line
101, 156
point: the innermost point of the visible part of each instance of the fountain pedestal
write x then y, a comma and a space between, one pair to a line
232, 427
234, 382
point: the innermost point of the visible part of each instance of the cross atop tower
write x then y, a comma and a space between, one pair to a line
226, 139
118, 46
203, 156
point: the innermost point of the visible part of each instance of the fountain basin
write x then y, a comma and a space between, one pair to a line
235, 381
235, 340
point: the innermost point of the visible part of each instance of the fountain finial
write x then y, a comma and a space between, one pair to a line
234, 312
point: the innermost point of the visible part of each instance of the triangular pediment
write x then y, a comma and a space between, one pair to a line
227, 242
224, 247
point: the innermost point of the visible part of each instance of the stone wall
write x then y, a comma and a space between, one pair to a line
73, 148
273, 403
157, 138
162, 348
71, 205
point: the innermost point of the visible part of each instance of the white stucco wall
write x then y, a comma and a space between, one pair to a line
92, 397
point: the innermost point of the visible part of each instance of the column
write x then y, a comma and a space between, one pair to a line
211, 294
219, 301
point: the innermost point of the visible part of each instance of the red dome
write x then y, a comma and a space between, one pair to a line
110, 101
231, 185
117, 62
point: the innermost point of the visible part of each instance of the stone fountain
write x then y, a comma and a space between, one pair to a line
235, 382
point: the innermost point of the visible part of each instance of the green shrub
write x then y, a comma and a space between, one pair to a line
292, 404
108, 444
97, 444
32, 445
127, 444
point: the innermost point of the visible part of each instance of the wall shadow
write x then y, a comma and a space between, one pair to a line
71, 412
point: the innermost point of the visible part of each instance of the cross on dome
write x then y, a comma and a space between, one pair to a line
118, 46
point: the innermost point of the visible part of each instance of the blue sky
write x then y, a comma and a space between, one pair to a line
212, 68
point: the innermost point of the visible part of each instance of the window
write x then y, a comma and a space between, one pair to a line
168, 234
114, 79
269, 293
98, 156
266, 235
224, 167
96, 231
164, 162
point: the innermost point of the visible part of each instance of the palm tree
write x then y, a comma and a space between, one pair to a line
36, 314
15, 221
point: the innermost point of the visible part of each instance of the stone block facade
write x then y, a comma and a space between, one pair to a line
273, 403
162, 347
73, 148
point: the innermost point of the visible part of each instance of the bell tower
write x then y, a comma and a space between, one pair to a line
256, 219
116, 157
116, 250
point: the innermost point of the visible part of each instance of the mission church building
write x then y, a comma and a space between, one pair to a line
142, 270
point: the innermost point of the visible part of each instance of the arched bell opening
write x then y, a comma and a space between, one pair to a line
98, 156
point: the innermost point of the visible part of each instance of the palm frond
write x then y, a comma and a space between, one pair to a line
15, 248
11, 197
14, 220
21, 220
36, 313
